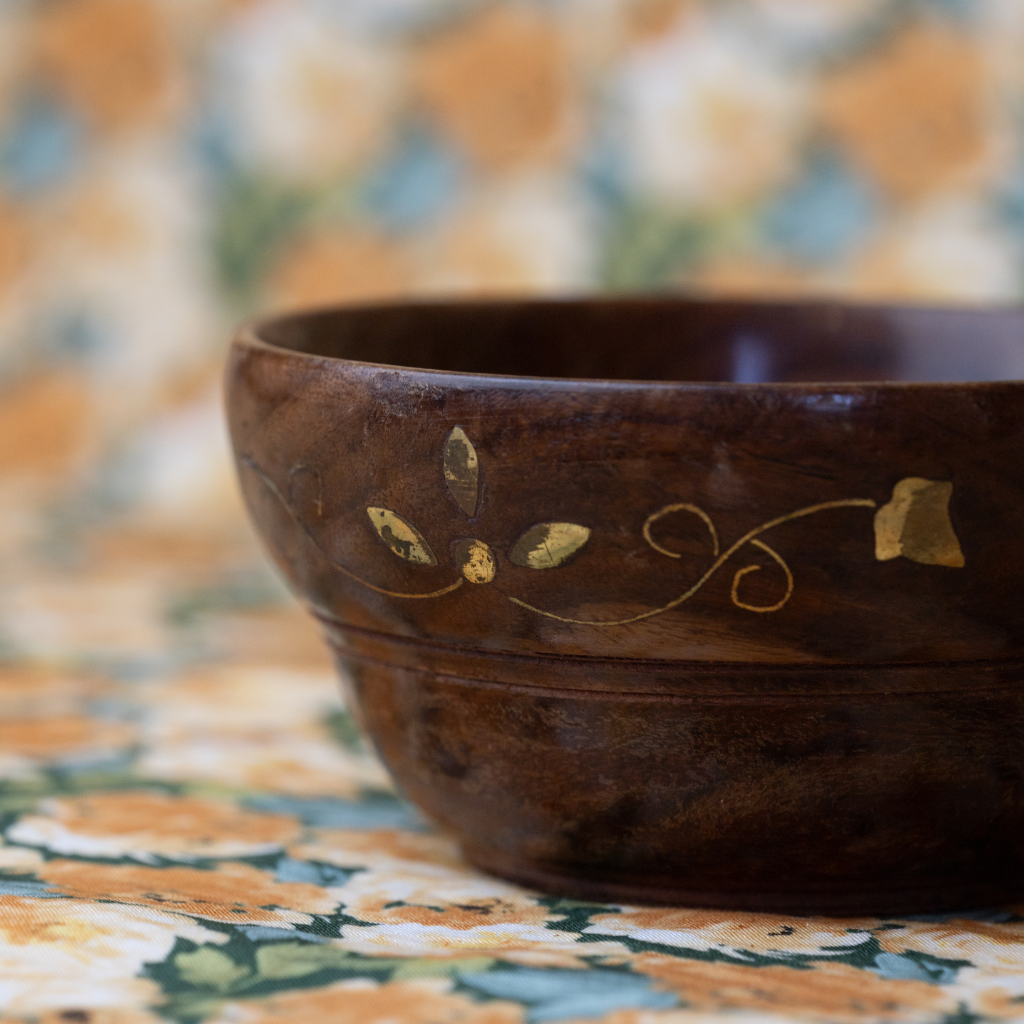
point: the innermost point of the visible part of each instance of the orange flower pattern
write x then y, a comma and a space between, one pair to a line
234, 893
191, 828
207, 897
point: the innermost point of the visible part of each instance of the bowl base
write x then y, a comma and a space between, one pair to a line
966, 897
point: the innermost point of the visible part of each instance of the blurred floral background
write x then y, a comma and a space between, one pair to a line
168, 166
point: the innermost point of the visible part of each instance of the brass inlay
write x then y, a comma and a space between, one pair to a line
476, 561
547, 545
734, 593
312, 538
401, 536
715, 566
461, 470
684, 506
916, 524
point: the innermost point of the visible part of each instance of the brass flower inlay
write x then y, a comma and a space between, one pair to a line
475, 560
544, 546
914, 524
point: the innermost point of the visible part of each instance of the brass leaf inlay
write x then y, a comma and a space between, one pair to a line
548, 544
916, 524
401, 536
271, 487
476, 561
462, 470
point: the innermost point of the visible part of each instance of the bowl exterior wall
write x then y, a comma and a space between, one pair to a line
745, 646
866, 803
808, 524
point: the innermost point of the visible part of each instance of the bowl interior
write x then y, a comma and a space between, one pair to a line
670, 340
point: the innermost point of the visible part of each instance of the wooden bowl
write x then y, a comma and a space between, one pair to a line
747, 641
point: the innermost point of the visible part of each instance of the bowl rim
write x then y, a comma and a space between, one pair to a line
249, 334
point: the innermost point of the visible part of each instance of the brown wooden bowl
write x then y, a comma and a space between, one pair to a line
752, 641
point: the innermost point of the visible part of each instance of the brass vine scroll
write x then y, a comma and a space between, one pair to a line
720, 560
914, 524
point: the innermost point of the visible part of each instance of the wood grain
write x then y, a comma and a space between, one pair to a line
750, 643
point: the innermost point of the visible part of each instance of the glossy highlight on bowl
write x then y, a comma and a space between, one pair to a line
668, 600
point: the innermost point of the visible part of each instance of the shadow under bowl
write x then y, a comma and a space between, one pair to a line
642, 611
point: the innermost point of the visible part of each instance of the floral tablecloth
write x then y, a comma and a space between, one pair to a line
191, 829
194, 831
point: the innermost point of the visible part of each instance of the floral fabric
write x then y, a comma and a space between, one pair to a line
193, 831
191, 827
